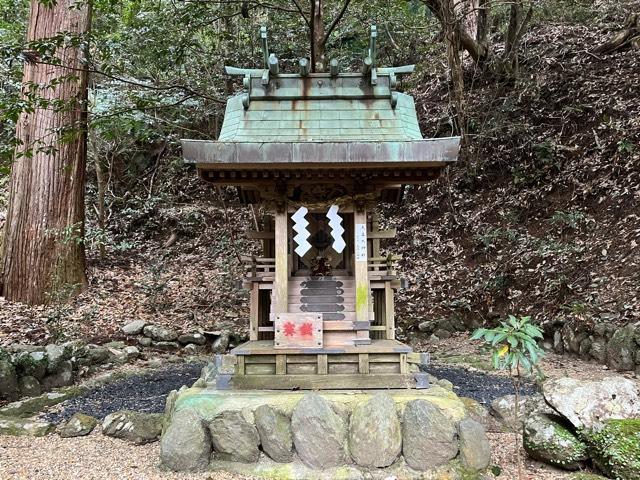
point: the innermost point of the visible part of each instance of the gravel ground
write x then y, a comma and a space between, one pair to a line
94, 457
480, 386
142, 393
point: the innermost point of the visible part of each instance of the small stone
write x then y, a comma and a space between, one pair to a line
234, 439
166, 346
115, 345
480, 414
78, 425
375, 434
319, 433
426, 327
547, 440
160, 334
429, 438
134, 328
196, 338
97, 355
475, 451
145, 341
441, 333
599, 350
220, 344
185, 446
63, 378
29, 386
192, 349
274, 428
131, 352
135, 427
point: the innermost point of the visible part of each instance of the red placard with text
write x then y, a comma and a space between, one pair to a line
298, 330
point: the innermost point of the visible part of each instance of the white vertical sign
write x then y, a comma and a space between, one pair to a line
361, 242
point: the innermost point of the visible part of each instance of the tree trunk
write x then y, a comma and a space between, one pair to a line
44, 258
317, 36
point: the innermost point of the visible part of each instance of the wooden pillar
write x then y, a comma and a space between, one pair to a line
360, 265
389, 311
280, 287
254, 314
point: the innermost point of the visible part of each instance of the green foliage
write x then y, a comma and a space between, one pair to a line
572, 219
514, 344
616, 448
493, 237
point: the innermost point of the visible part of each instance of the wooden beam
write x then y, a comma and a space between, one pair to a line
280, 290
381, 234
319, 382
259, 235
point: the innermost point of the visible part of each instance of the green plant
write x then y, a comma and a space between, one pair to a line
571, 219
514, 347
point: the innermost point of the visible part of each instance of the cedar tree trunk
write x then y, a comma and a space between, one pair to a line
43, 258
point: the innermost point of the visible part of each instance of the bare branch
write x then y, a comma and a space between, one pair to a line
336, 21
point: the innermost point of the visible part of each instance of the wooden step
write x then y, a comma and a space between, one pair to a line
350, 316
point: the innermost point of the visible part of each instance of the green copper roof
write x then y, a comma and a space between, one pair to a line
350, 116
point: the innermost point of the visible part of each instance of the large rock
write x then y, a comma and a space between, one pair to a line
8, 378
96, 355
135, 427
548, 440
319, 433
375, 434
29, 386
504, 409
34, 405
220, 344
234, 438
480, 414
56, 356
274, 428
615, 448
62, 378
195, 338
186, 444
587, 404
25, 427
160, 334
429, 438
475, 451
33, 364
134, 328
621, 349
78, 425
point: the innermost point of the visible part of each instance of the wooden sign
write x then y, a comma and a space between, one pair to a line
298, 330
361, 242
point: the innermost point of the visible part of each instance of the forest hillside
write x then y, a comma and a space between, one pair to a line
539, 216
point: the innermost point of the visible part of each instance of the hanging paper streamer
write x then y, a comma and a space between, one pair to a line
300, 226
335, 222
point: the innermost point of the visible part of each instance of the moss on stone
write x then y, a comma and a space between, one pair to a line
33, 405
586, 476
615, 448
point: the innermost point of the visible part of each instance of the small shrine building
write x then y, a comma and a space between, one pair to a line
319, 151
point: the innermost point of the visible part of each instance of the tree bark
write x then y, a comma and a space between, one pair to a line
317, 36
44, 256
